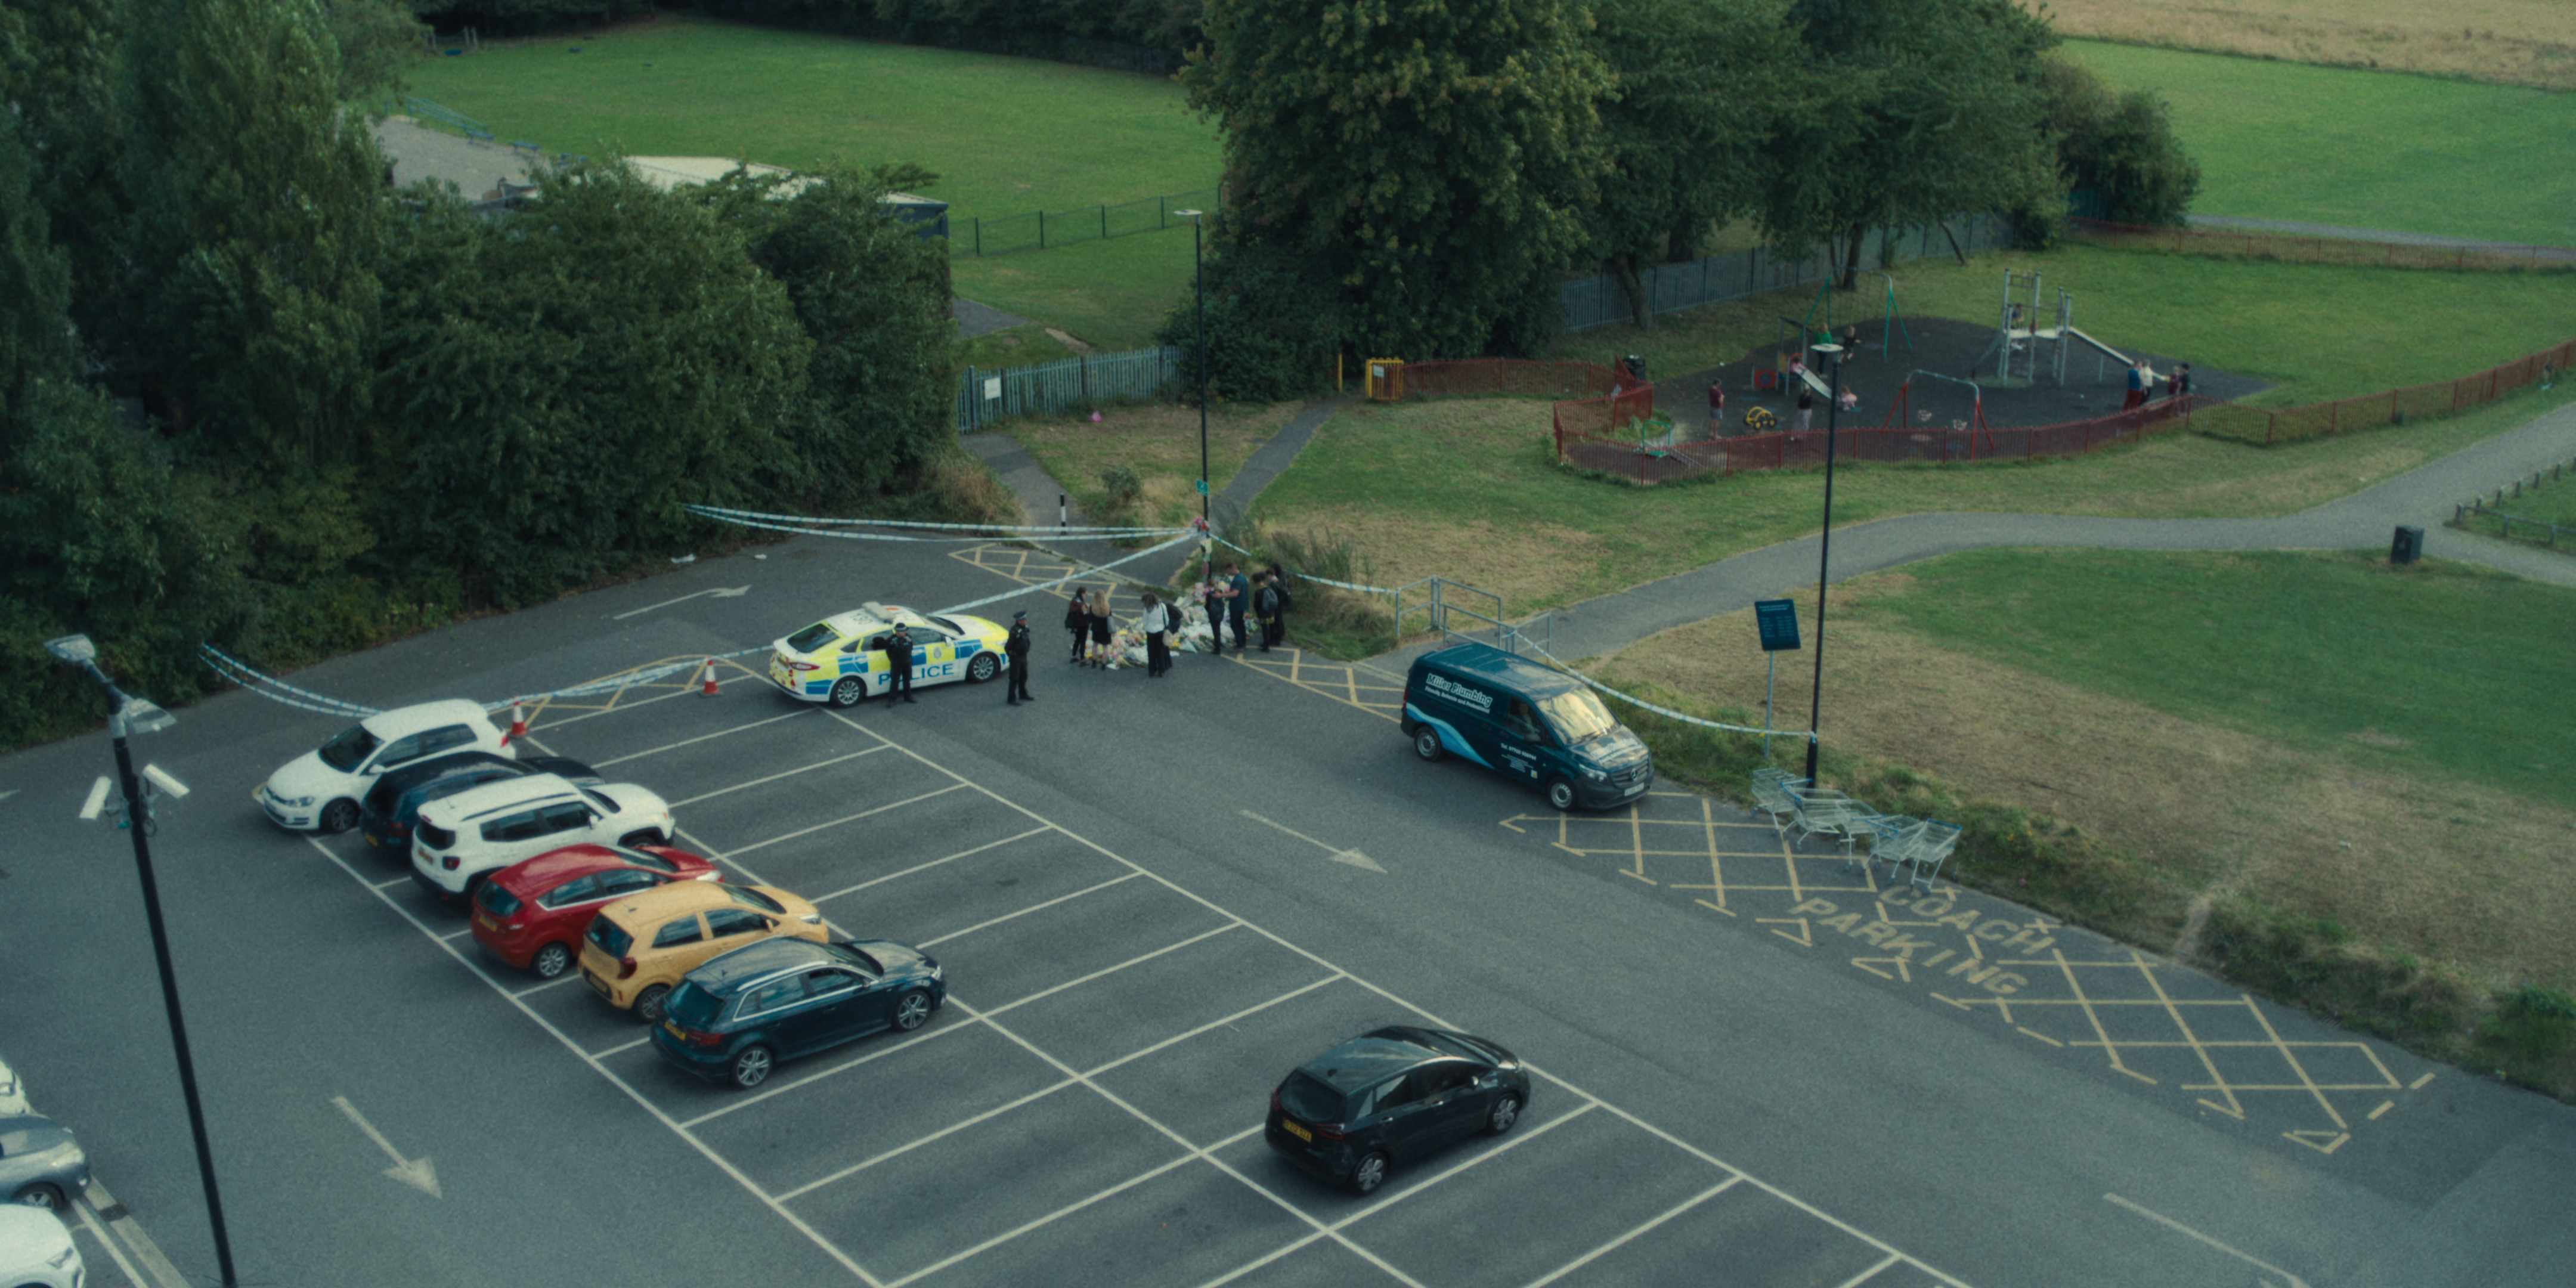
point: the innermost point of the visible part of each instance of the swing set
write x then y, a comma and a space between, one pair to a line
1800, 336
1974, 427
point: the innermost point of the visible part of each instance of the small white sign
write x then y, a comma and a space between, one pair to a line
993, 387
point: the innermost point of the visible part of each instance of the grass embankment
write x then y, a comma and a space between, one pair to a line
2514, 42
1005, 135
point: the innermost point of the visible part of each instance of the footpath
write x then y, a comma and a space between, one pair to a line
2421, 497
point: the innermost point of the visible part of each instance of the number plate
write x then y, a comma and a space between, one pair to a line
1297, 1131
371, 840
486, 922
673, 1028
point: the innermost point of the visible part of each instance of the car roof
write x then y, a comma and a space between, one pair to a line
663, 902
403, 721
446, 766
1372, 1056
30, 1232
752, 963
508, 793
1494, 665
554, 867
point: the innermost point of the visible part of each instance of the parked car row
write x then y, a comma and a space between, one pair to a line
42, 1169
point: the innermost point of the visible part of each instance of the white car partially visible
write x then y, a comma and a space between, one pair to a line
462, 839
36, 1249
13, 1093
319, 791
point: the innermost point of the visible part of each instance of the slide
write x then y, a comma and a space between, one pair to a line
2073, 334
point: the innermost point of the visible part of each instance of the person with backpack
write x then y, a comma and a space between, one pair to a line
1159, 621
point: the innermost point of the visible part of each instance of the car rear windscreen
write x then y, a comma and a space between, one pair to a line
493, 899
812, 637
1310, 1098
693, 1007
609, 937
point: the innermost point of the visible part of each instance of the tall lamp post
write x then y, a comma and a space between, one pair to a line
1198, 277
129, 714
1824, 557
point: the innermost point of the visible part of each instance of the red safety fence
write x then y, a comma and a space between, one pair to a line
1890, 445
2325, 250
2391, 407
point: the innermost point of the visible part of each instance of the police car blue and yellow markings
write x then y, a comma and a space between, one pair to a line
841, 658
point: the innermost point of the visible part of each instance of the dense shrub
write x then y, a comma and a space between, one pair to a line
2122, 147
1274, 322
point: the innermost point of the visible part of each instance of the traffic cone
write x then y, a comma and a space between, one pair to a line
710, 689
518, 723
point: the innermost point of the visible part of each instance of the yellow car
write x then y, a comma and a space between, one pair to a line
841, 659
639, 947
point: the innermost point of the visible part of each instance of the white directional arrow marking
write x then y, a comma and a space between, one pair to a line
1352, 857
734, 593
414, 1172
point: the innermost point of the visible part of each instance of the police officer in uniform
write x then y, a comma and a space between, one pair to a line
1017, 649
898, 651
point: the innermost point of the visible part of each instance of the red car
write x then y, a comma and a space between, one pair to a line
532, 913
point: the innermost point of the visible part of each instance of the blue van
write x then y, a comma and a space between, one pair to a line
1526, 722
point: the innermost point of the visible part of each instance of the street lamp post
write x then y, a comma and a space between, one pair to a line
1824, 557
1198, 277
132, 714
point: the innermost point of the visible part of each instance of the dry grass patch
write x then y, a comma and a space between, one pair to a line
1159, 441
1523, 562
2445, 873
2514, 42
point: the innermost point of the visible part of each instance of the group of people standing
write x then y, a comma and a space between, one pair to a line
1229, 596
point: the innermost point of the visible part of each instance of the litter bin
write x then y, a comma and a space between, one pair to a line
2407, 547
1636, 366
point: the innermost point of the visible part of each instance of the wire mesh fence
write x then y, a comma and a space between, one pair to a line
986, 397
1041, 229
2298, 249
1670, 288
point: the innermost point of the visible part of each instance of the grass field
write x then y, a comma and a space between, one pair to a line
2365, 149
2517, 42
1005, 135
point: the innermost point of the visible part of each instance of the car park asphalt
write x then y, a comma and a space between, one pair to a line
1152, 900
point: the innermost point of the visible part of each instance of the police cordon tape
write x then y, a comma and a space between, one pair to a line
284, 694
801, 524
1308, 576
1668, 712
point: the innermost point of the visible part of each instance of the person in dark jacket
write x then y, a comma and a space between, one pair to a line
898, 651
1100, 624
1016, 648
1077, 619
1265, 606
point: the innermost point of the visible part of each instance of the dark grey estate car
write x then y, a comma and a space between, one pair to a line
1391, 1095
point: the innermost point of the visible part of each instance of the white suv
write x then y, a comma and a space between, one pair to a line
465, 837
320, 790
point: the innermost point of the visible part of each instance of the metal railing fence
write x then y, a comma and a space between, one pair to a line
985, 397
1041, 229
1670, 288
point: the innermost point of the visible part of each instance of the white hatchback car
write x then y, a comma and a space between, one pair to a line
36, 1249
319, 791
465, 837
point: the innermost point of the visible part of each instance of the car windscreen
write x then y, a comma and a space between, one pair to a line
1459, 1045
644, 859
751, 898
1308, 1097
495, 900
609, 937
598, 799
351, 749
948, 624
1577, 716
816, 636
856, 958
693, 1007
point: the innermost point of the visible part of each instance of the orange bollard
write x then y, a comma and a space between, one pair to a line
710, 689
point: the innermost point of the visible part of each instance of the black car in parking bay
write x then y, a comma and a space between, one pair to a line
390, 807
1389, 1096
733, 1019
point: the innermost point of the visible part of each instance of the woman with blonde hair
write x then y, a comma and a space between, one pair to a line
1099, 627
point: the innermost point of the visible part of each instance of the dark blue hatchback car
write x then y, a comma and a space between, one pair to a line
733, 1019
1348, 1115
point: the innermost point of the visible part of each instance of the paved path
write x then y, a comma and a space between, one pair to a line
2367, 519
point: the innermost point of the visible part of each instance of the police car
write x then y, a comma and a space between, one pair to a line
841, 659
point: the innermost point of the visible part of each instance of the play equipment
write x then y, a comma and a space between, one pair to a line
1894, 322
1974, 425
2019, 334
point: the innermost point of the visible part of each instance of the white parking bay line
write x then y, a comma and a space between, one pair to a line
1872, 1273
924, 867
1597, 1253
847, 818
684, 742
1035, 907
791, 773
721, 1163
1080, 980
951, 1129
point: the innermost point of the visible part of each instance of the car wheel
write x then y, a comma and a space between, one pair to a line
1560, 795
850, 692
1426, 744
984, 667
1370, 1174
751, 1067
648, 1004
551, 961
41, 1196
648, 836
339, 816
911, 1010
1505, 1112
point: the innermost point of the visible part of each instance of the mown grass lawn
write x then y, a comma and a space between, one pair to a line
2367, 149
